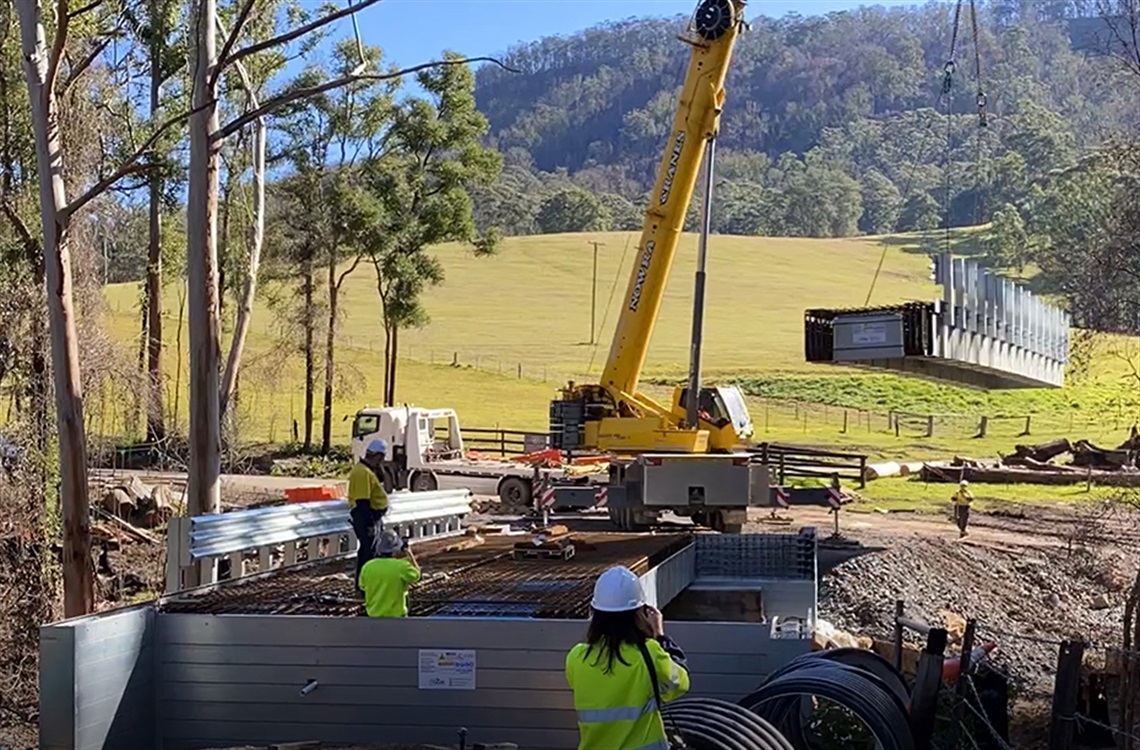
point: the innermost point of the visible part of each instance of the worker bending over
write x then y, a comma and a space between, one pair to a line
386, 577
625, 670
962, 500
367, 500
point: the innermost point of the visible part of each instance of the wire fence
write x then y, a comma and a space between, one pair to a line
1093, 697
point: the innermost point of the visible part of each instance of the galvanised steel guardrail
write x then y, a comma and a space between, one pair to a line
322, 525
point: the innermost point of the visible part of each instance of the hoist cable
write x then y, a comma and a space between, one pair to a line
921, 154
948, 71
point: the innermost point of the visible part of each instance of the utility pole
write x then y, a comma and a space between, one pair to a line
594, 292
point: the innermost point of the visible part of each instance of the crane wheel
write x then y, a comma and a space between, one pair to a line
424, 481
713, 19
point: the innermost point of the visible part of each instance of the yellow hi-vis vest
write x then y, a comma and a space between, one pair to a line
616, 711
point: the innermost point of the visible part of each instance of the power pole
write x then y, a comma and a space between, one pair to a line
594, 292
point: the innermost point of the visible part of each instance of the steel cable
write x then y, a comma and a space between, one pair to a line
710, 724
779, 700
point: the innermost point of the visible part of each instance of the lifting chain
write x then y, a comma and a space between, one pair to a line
983, 120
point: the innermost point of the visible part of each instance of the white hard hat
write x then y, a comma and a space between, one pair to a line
963, 483
388, 543
618, 590
378, 446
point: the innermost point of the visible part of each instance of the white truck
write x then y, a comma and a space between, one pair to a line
427, 444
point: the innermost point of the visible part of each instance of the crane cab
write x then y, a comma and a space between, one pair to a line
723, 414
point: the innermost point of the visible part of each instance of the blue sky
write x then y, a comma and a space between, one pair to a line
413, 31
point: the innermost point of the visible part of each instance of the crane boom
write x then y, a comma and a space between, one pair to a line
612, 415
716, 26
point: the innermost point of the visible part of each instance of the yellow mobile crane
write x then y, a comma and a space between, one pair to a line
612, 415
690, 457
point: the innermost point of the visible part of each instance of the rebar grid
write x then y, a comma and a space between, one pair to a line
482, 581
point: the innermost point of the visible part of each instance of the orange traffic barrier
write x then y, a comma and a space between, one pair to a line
310, 494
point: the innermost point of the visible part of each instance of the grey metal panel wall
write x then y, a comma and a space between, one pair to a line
237, 679
97, 682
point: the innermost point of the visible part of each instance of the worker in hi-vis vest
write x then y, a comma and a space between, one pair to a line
625, 670
386, 577
962, 500
367, 500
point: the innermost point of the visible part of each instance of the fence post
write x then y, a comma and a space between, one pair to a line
520, 370
455, 359
844, 421
503, 443
898, 634
862, 472
983, 423
781, 474
924, 697
1066, 690
960, 688
896, 425
930, 425
1028, 422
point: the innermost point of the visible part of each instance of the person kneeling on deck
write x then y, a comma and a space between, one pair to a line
386, 577
368, 501
625, 670
962, 499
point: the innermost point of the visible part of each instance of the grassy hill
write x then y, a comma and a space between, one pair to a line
528, 310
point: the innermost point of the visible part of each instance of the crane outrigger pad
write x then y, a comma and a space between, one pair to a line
986, 332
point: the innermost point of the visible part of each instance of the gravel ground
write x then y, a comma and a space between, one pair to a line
1024, 600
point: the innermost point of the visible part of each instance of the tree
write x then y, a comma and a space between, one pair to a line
882, 204
1009, 243
43, 66
206, 136
419, 197
572, 210
920, 213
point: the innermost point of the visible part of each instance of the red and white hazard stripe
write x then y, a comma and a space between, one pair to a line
546, 497
602, 496
834, 497
781, 495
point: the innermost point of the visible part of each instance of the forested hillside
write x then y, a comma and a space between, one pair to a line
835, 125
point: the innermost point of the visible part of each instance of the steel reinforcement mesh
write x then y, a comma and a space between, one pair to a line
744, 555
480, 581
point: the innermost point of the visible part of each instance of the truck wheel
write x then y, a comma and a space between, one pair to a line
424, 481
515, 492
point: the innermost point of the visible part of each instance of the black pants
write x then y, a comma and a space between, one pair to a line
962, 516
363, 518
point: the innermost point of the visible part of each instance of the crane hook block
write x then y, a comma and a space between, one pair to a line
713, 19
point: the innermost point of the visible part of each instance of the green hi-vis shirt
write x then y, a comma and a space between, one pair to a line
363, 484
385, 582
618, 710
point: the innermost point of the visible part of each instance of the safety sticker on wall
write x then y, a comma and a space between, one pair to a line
447, 670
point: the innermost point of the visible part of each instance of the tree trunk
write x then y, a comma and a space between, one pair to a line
78, 581
387, 362
138, 396
309, 319
203, 489
330, 346
392, 365
257, 239
155, 422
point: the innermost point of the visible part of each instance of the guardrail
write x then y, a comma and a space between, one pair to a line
798, 461
323, 527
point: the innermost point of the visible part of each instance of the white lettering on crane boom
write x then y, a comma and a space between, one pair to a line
667, 183
642, 272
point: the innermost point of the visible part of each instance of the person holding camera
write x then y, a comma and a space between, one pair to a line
625, 670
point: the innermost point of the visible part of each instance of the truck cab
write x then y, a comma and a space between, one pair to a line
416, 438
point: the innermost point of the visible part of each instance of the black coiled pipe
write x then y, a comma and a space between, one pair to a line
710, 724
779, 700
